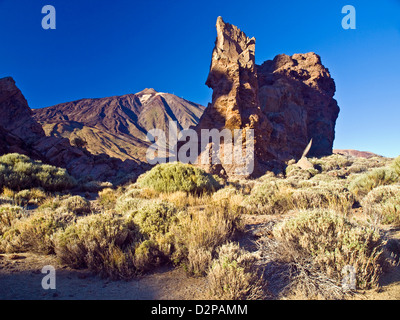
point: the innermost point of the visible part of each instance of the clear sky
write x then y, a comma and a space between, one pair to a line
104, 48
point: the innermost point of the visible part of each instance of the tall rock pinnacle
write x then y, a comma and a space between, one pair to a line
287, 101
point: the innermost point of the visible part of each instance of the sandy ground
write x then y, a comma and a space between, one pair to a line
21, 278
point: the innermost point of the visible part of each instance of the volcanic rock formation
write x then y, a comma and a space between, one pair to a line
19, 132
287, 101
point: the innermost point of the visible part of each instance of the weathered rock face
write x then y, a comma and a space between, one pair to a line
235, 102
19, 132
296, 95
287, 101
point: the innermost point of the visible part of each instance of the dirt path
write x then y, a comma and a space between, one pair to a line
21, 278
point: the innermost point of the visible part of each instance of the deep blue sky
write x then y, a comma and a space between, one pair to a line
105, 48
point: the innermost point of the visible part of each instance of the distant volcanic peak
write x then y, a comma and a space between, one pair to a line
147, 91
7, 84
117, 125
355, 153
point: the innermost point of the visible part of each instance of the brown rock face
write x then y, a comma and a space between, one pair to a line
19, 132
235, 102
296, 95
287, 101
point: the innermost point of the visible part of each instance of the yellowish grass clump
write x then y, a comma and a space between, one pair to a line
103, 243
199, 233
331, 242
35, 232
361, 184
233, 275
382, 205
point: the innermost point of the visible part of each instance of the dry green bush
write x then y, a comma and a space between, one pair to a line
108, 198
270, 197
331, 242
324, 195
382, 204
154, 218
129, 201
35, 233
396, 165
230, 196
148, 256
198, 234
18, 170
295, 173
233, 275
95, 186
333, 162
103, 243
364, 183
75, 204
8, 215
176, 176
184, 200
33, 196
72, 204
8, 193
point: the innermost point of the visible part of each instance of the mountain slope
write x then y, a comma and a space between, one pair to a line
117, 126
20, 133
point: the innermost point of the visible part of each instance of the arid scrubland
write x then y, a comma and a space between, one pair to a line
321, 222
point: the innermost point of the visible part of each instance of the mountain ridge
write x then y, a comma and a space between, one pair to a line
118, 125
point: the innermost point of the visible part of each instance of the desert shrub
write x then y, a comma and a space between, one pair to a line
95, 186
8, 193
126, 205
8, 215
18, 171
396, 165
184, 200
107, 197
332, 162
295, 173
176, 176
148, 256
32, 196
330, 242
198, 234
103, 243
233, 275
154, 218
34, 233
364, 183
72, 204
76, 204
270, 197
324, 195
231, 196
382, 204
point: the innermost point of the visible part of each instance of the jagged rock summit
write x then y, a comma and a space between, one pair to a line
287, 101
